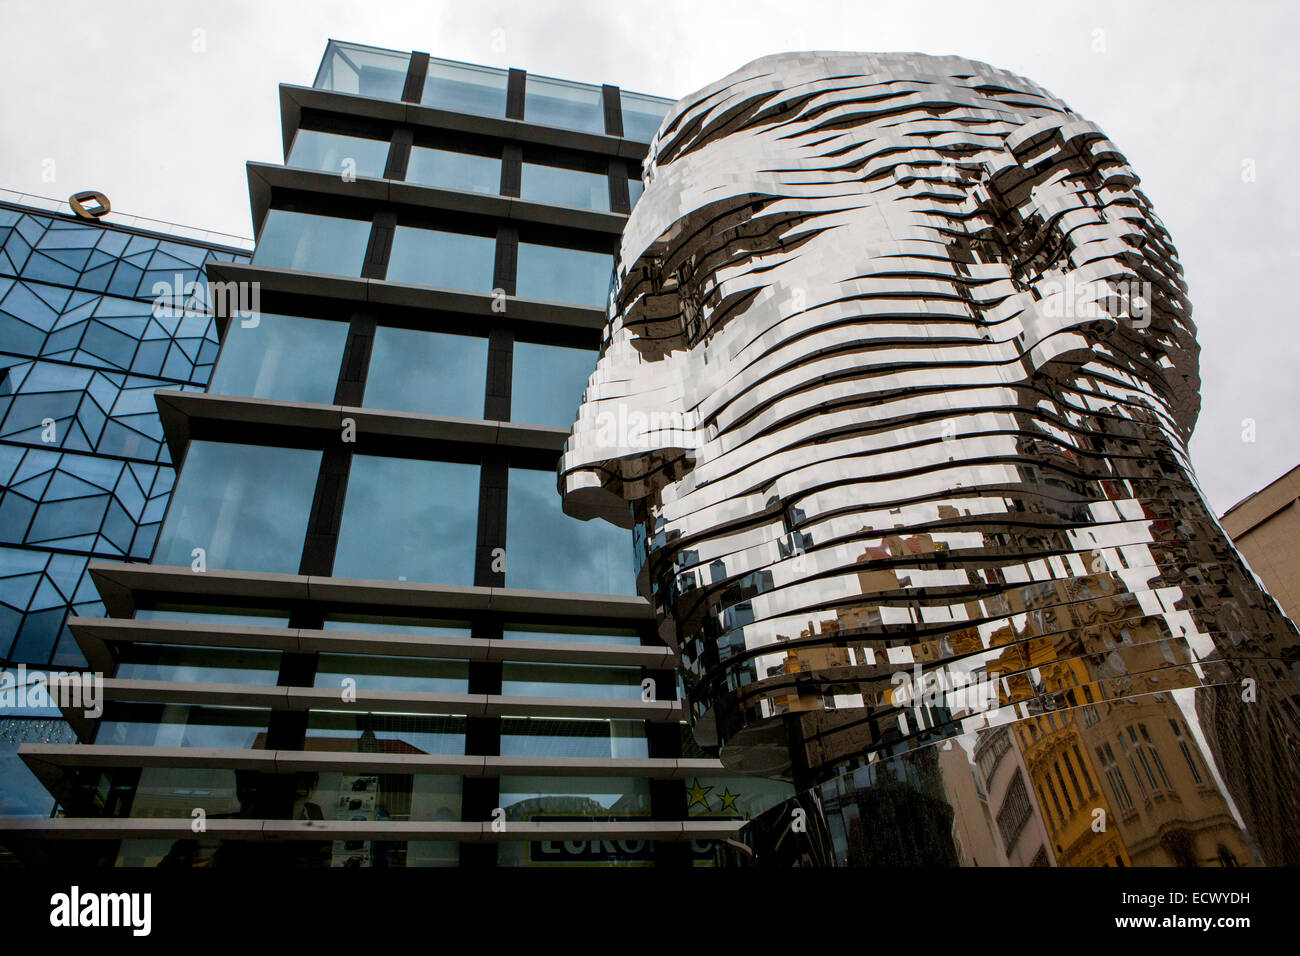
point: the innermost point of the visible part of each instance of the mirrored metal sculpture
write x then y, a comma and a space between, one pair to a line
898, 380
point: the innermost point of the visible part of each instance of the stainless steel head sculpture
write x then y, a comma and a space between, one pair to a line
898, 383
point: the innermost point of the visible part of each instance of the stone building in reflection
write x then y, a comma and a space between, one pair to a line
914, 370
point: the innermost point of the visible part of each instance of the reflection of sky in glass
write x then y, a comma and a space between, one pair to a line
22, 794
417, 675
564, 104
427, 372
408, 520
547, 550
246, 505
563, 275
445, 169
465, 88
321, 244
393, 626
331, 153
284, 357
547, 382
445, 260
189, 727
564, 187
571, 637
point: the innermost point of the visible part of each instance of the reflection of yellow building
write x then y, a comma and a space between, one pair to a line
1159, 805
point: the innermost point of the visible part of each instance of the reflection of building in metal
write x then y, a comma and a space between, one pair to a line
929, 372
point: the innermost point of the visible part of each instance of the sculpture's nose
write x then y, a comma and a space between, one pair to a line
633, 435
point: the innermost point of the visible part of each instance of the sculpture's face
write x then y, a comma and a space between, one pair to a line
899, 367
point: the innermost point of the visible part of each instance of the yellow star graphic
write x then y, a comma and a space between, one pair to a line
728, 801
698, 794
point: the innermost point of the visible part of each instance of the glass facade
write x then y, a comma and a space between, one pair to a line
93, 320
457, 522
408, 520
557, 274
428, 372
574, 106
547, 550
362, 70
287, 357
246, 506
547, 382
642, 114
449, 169
464, 88
565, 187
311, 243
445, 260
338, 153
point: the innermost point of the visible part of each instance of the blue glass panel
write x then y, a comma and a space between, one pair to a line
22, 795
285, 357
420, 675
295, 240
339, 154
574, 106
465, 88
557, 274
565, 187
547, 382
409, 520
529, 679
445, 169
446, 260
366, 71
539, 737
246, 505
642, 115
547, 550
427, 372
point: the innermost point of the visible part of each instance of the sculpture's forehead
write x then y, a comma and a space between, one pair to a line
781, 125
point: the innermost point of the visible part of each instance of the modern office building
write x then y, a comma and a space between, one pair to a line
95, 314
369, 636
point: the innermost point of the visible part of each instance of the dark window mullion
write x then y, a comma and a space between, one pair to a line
620, 198
613, 110
416, 71
399, 154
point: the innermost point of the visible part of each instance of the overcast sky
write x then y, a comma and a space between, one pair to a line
159, 103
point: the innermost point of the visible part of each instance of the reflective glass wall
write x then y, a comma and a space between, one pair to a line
93, 320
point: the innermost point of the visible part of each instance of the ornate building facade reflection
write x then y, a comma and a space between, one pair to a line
898, 379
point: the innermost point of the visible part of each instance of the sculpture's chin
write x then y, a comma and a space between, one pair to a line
593, 501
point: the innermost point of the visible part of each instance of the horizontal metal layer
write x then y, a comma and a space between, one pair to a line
380, 293
294, 99
95, 634
126, 828
264, 179
118, 583
185, 413
43, 758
